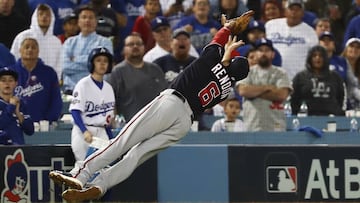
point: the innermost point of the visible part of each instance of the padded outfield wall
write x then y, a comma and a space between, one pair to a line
203, 173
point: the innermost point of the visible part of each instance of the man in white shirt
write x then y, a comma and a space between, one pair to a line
163, 36
292, 37
42, 26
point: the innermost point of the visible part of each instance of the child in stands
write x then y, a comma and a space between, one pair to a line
230, 122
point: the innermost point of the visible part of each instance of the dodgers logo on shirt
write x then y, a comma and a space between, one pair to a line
279, 38
281, 179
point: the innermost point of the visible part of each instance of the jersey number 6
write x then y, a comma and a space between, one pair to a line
208, 94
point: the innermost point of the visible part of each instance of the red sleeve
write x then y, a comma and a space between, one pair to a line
221, 36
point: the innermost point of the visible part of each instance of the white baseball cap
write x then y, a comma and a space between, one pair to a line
351, 40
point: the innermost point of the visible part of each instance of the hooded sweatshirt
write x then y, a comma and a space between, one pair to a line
324, 93
49, 45
40, 90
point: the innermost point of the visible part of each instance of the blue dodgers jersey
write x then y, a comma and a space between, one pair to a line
205, 82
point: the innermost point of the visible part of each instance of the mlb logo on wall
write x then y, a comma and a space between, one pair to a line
281, 179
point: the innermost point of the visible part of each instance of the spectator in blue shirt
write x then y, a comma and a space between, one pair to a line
201, 27
76, 49
14, 119
38, 83
352, 29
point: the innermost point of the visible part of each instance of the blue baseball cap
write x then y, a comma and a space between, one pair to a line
159, 21
9, 71
327, 34
264, 41
256, 25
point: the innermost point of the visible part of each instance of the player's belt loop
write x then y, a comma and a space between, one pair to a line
178, 94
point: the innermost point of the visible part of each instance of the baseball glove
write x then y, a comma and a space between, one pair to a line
239, 24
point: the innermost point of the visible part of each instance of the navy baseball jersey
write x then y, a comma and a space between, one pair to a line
206, 82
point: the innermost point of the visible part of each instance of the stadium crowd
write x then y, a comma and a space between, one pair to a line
299, 51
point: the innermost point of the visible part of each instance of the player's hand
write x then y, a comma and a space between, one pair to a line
88, 137
233, 44
230, 46
239, 24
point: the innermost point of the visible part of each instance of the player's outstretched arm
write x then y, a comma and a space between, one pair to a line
232, 27
230, 46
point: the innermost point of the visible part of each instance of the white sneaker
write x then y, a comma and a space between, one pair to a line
74, 195
65, 178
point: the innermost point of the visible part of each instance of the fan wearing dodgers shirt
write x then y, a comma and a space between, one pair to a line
166, 119
92, 112
292, 37
14, 117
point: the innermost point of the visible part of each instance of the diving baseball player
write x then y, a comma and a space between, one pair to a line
92, 106
166, 119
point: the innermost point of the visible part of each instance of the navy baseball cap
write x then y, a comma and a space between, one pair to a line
295, 2
178, 32
327, 34
159, 21
9, 71
69, 17
238, 68
256, 25
264, 41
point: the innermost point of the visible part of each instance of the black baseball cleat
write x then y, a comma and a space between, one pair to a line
74, 195
65, 178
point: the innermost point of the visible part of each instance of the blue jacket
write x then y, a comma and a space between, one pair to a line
40, 90
352, 29
6, 58
10, 124
338, 64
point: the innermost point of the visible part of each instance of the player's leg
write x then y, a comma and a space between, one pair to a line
79, 148
136, 156
160, 116
154, 118
126, 166
113, 151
